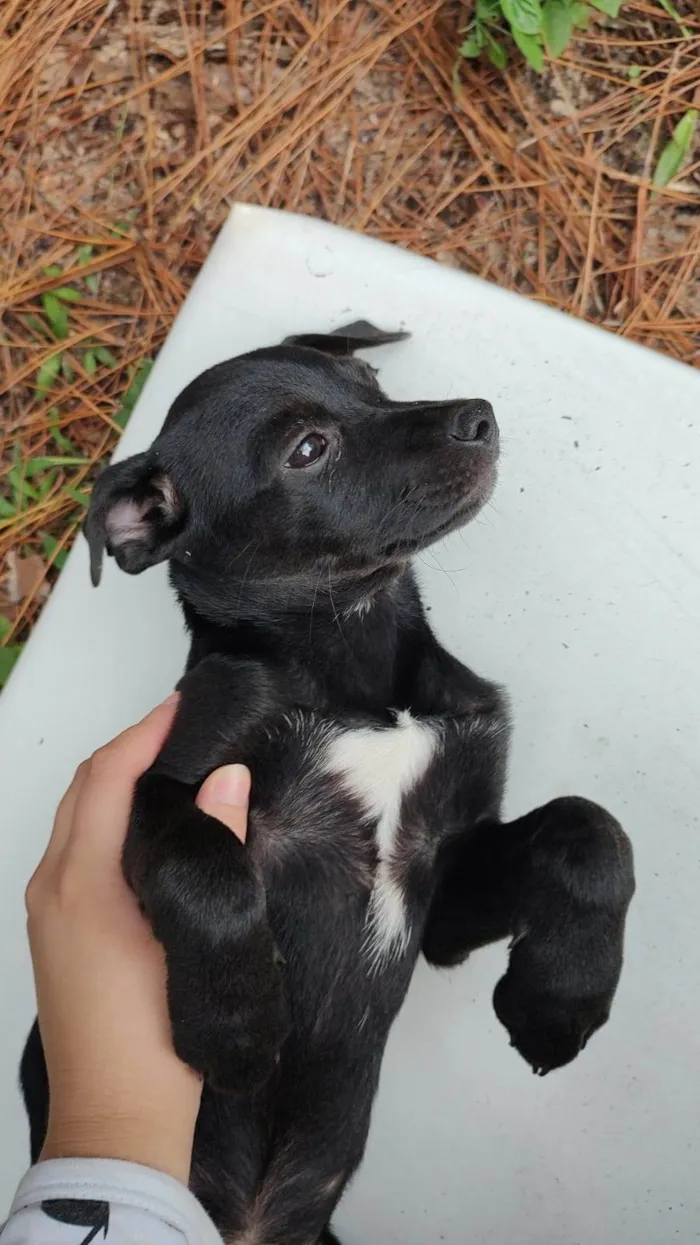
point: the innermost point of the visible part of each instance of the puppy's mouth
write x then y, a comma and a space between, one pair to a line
459, 516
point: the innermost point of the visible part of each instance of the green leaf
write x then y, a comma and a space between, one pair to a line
524, 16
93, 282
46, 483
44, 461
20, 486
8, 657
496, 53
5, 626
7, 510
683, 133
90, 362
40, 326
53, 271
676, 150
105, 356
634, 73
582, 16
56, 315
531, 49
82, 499
557, 26
59, 437
47, 374
48, 546
610, 7
121, 228
67, 294
488, 10
85, 253
471, 47
133, 393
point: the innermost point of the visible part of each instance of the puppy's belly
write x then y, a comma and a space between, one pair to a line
347, 801
341, 820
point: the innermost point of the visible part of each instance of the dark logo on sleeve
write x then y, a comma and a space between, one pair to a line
81, 1213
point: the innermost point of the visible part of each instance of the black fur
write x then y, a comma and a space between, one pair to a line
287, 962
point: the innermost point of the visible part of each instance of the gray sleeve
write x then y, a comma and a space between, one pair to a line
86, 1201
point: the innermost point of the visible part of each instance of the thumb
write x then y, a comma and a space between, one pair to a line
224, 795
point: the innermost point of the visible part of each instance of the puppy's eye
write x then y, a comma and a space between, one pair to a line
308, 451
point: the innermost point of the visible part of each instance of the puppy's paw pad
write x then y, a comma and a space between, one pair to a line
547, 1029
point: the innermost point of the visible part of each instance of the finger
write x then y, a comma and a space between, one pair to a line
60, 834
64, 815
102, 813
224, 795
131, 753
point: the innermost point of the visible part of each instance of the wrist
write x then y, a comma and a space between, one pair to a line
152, 1139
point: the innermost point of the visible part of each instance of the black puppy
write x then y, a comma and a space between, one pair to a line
289, 493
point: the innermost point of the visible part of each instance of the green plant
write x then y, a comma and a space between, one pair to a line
137, 380
8, 652
55, 326
8, 656
538, 28
44, 487
676, 149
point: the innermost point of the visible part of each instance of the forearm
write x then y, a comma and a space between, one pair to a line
152, 1137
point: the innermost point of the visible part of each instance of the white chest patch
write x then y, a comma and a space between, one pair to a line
379, 767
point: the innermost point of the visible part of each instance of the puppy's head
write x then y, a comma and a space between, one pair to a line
290, 460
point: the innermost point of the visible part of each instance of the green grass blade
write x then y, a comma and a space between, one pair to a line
8, 656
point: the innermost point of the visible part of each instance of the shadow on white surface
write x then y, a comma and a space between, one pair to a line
579, 589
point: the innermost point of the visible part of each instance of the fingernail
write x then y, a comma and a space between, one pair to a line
231, 785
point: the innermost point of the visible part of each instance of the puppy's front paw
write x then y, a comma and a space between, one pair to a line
548, 1026
566, 957
207, 908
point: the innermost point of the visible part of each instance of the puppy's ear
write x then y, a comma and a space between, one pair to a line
345, 341
135, 515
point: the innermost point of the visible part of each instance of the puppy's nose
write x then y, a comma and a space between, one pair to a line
475, 422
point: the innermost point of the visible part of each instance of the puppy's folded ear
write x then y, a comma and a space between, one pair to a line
345, 341
135, 515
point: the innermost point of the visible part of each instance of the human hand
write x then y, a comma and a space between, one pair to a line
117, 1088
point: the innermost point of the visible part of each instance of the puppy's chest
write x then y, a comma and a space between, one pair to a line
371, 803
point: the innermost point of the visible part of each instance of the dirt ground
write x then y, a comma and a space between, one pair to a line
128, 128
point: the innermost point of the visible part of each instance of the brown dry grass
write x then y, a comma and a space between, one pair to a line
130, 127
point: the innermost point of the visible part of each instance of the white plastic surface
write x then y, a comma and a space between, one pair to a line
579, 589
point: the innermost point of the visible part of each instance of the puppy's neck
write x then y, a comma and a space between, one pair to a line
270, 600
342, 640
